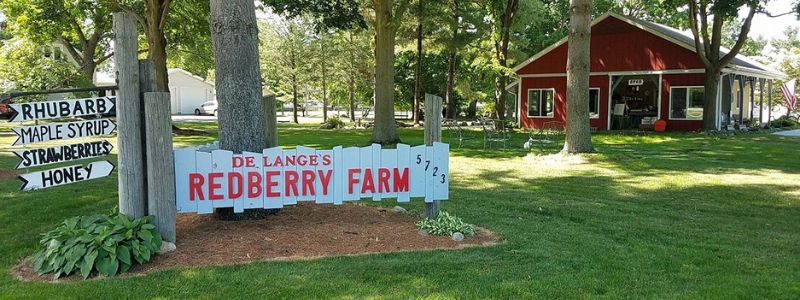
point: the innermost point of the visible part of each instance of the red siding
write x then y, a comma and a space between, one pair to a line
670, 80
559, 109
619, 46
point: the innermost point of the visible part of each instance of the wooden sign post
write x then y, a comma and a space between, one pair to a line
433, 133
160, 163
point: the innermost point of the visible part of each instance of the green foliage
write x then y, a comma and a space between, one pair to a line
27, 67
785, 121
445, 224
328, 14
109, 244
334, 122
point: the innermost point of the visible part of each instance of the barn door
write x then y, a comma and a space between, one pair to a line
175, 101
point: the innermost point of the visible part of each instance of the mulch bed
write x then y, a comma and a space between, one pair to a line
6, 174
305, 231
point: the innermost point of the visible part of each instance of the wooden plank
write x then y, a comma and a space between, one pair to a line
45, 110
429, 174
30, 158
252, 193
203, 167
441, 171
160, 164
376, 164
350, 161
289, 193
273, 179
338, 176
62, 131
385, 176
184, 165
65, 175
217, 179
365, 161
433, 133
403, 168
235, 189
307, 173
416, 177
132, 193
324, 185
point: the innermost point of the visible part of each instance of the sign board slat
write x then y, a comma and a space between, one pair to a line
365, 161
44, 110
62, 131
251, 168
352, 181
441, 171
203, 167
184, 165
218, 180
402, 170
235, 183
376, 164
307, 173
57, 154
65, 175
273, 178
324, 184
417, 161
429, 155
290, 190
386, 180
338, 182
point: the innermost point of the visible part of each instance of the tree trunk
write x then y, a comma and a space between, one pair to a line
351, 81
324, 81
501, 54
710, 105
450, 110
578, 139
238, 83
384, 129
500, 96
294, 99
417, 75
157, 43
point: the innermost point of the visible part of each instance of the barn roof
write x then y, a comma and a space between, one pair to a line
740, 63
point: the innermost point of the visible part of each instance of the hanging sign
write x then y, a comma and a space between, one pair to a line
61, 108
205, 180
635, 82
62, 131
57, 154
65, 175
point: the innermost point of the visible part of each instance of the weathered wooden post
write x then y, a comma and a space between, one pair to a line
129, 108
270, 120
433, 133
160, 164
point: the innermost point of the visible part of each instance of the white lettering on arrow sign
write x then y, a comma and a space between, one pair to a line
61, 108
57, 154
62, 131
278, 177
65, 175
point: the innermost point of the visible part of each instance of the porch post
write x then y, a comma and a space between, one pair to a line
769, 105
741, 101
761, 101
752, 98
731, 81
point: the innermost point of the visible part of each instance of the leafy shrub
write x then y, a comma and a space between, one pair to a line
445, 224
107, 243
334, 122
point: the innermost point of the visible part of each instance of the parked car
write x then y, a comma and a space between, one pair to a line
207, 108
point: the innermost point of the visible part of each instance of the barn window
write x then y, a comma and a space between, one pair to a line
540, 102
686, 103
594, 103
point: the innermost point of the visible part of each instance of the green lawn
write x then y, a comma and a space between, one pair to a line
657, 216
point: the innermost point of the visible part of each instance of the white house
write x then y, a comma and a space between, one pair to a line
188, 91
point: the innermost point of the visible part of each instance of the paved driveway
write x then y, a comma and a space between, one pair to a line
795, 133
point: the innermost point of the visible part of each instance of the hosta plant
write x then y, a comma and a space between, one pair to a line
445, 224
109, 244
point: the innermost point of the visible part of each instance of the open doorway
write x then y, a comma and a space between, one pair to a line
634, 100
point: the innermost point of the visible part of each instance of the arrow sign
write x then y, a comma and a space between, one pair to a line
62, 131
61, 108
65, 175
57, 154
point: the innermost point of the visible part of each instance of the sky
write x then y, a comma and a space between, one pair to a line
770, 28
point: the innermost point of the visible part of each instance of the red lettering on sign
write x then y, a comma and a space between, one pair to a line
308, 182
271, 183
213, 186
351, 179
253, 184
290, 160
401, 180
325, 179
383, 180
196, 187
369, 184
290, 182
238, 162
312, 160
250, 161
326, 160
237, 192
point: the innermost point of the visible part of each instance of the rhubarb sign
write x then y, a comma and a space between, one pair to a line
207, 179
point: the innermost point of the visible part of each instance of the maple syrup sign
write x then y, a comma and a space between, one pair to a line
205, 180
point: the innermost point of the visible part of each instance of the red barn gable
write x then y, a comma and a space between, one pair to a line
640, 72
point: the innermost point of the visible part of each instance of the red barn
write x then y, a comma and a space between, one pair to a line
641, 72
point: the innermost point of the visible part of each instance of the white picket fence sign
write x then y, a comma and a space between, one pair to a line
208, 178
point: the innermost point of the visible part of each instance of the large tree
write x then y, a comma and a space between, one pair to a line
708, 36
152, 15
388, 15
578, 139
502, 15
82, 27
286, 55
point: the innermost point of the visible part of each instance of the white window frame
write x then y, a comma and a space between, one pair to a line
688, 96
527, 107
597, 116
